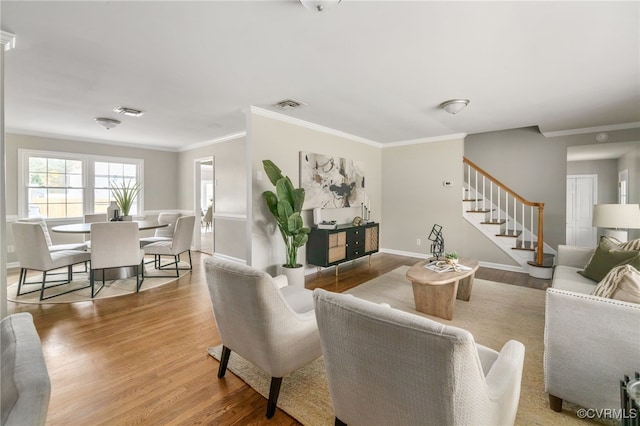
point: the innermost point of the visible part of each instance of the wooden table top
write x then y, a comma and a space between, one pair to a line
85, 228
419, 274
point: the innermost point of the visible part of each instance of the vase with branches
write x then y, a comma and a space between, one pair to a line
125, 194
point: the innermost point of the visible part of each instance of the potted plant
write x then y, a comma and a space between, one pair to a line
451, 257
286, 205
125, 194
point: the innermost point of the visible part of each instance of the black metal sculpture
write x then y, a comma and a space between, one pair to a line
437, 247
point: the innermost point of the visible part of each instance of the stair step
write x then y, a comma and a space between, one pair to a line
472, 199
513, 234
479, 211
494, 222
527, 245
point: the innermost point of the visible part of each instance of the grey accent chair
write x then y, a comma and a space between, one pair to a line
180, 243
34, 254
163, 234
53, 247
273, 328
385, 367
115, 245
26, 387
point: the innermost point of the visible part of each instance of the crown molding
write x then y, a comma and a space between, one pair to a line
607, 128
426, 140
302, 123
8, 40
214, 141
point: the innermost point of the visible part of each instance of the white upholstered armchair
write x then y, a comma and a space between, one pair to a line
385, 367
26, 387
273, 328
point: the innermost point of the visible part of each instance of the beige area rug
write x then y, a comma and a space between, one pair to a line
495, 314
112, 288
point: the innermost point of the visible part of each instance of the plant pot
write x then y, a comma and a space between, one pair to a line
295, 276
127, 218
452, 261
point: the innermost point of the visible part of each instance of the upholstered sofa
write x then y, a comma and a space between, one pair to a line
590, 342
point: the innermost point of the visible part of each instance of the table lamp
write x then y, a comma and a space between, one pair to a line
617, 218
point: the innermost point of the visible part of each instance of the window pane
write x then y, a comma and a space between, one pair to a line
74, 196
102, 196
115, 169
37, 179
130, 170
56, 179
74, 210
34, 210
56, 165
55, 210
37, 164
101, 168
37, 196
74, 181
101, 182
74, 167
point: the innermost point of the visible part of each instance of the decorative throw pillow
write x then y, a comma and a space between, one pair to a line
630, 245
605, 257
621, 283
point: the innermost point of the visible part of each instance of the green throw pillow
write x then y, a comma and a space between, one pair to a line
607, 256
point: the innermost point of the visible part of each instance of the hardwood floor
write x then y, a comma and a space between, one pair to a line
142, 359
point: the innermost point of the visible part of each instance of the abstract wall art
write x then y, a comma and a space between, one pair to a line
331, 182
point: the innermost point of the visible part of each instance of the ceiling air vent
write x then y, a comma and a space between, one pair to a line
289, 104
131, 112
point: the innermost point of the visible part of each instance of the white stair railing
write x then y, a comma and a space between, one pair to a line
516, 215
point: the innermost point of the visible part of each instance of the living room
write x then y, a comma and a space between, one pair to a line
403, 181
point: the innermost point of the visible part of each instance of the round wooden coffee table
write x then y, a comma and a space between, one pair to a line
435, 293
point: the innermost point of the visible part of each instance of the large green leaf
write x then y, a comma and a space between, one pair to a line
273, 172
272, 202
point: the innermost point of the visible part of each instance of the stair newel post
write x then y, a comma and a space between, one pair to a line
540, 250
499, 213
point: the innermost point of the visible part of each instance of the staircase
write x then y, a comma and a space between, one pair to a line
512, 223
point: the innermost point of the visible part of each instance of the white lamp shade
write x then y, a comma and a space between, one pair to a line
619, 216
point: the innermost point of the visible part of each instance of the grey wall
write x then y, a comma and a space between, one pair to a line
414, 198
282, 142
631, 162
607, 171
230, 192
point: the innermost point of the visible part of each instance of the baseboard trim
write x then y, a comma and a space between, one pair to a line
229, 258
499, 266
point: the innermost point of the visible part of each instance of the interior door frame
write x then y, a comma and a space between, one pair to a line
197, 199
594, 178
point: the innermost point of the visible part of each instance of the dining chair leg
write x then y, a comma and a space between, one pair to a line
224, 360
177, 260
190, 263
44, 280
137, 278
274, 391
23, 277
70, 273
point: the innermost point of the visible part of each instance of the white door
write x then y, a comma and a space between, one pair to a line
623, 188
582, 193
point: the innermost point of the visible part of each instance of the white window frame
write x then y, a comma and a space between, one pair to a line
88, 176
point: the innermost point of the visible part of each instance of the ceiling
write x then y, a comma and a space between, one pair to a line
608, 151
374, 69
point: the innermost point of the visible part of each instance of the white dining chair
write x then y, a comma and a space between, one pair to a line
115, 245
34, 254
53, 247
165, 233
180, 243
93, 218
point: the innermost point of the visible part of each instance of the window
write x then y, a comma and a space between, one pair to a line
61, 185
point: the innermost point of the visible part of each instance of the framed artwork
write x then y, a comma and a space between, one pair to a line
331, 182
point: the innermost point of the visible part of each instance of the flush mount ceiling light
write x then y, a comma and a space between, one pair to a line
318, 5
107, 123
454, 106
131, 112
602, 137
289, 104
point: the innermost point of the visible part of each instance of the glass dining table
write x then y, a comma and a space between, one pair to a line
85, 228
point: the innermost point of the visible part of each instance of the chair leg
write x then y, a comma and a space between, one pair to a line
44, 279
176, 259
340, 422
23, 277
224, 360
555, 403
190, 263
274, 391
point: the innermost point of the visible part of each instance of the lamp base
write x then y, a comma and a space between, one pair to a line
618, 234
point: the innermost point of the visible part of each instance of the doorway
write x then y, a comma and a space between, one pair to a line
582, 195
623, 186
204, 198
